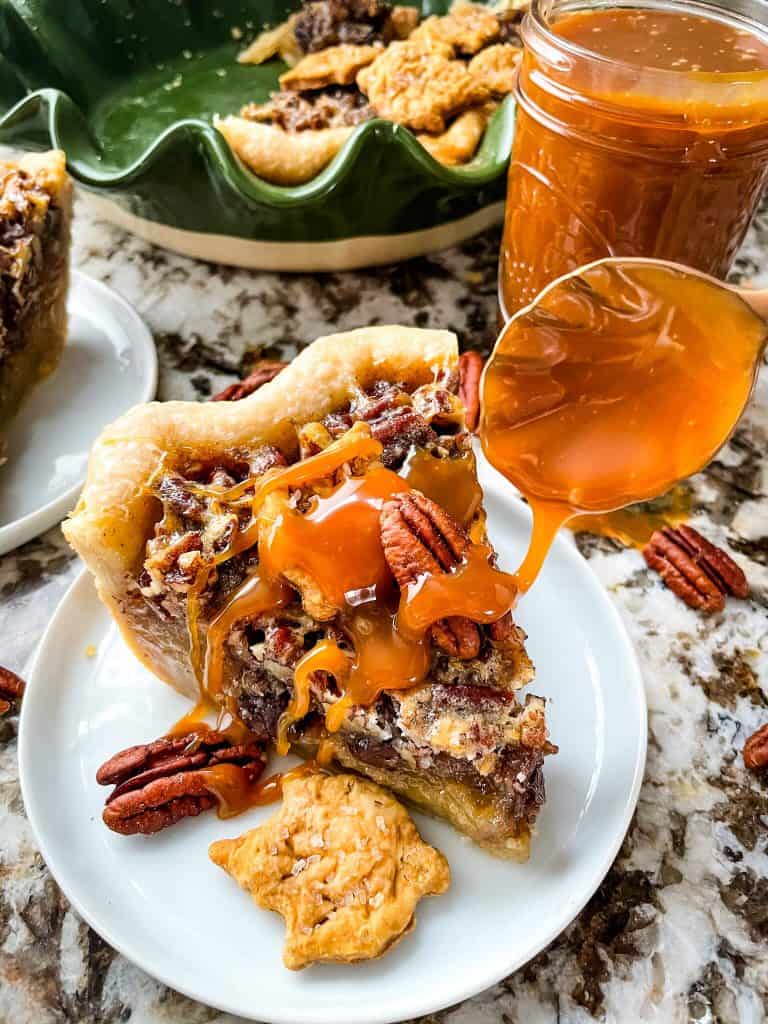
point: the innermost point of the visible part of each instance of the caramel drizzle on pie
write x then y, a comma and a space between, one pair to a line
335, 542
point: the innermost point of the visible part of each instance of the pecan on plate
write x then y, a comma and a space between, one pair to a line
11, 689
694, 569
756, 750
157, 784
262, 373
420, 538
470, 370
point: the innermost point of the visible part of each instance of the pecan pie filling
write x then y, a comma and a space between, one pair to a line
348, 602
35, 207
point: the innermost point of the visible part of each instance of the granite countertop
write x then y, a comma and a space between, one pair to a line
678, 931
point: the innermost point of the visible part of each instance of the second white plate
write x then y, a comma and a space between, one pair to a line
109, 364
161, 902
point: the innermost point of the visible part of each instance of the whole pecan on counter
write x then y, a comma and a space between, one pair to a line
756, 750
11, 689
420, 538
262, 373
700, 573
471, 365
157, 784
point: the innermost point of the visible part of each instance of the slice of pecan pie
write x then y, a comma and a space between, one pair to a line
35, 210
313, 558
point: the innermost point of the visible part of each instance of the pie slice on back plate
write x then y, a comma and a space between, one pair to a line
35, 214
313, 558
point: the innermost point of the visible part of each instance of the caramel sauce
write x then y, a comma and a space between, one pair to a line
236, 793
385, 659
634, 526
618, 382
452, 483
253, 598
194, 720
325, 656
666, 40
336, 542
639, 132
227, 722
475, 590
357, 443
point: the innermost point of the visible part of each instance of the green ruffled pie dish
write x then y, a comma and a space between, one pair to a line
129, 89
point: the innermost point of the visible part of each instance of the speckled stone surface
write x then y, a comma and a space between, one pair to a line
678, 931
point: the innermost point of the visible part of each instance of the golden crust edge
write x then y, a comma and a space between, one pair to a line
115, 514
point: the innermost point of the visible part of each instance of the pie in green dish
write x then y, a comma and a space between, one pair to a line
130, 90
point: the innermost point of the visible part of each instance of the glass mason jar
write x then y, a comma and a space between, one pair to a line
615, 159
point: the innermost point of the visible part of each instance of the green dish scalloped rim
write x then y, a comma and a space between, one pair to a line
108, 83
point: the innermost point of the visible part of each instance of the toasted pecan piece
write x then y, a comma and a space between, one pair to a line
11, 689
471, 365
262, 373
159, 783
420, 539
700, 573
756, 750
344, 865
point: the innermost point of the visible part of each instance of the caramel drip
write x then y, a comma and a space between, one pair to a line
236, 793
635, 526
325, 752
382, 658
228, 724
385, 659
617, 383
451, 483
325, 656
357, 443
474, 590
336, 543
253, 598
336, 713
194, 720
548, 517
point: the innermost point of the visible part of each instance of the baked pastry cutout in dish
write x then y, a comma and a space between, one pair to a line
35, 215
353, 61
313, 560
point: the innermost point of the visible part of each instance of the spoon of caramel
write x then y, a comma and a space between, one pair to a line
619, 380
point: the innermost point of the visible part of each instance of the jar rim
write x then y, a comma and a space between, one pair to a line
538, 18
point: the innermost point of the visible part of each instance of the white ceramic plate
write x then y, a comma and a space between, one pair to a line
162, 903
109, 364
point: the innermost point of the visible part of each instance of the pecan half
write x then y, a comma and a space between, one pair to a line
420, 538
157, 784
470, 370
11, 689
700, 573
756, 750
262, 373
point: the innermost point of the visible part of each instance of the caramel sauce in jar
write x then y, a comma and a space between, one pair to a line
641, 131
618, 382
